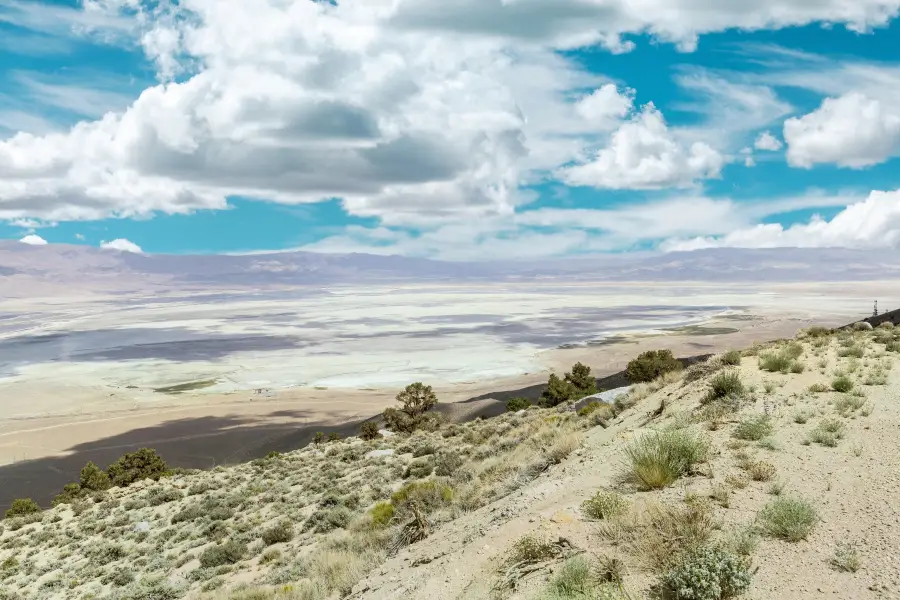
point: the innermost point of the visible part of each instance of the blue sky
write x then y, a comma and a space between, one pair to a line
475, 131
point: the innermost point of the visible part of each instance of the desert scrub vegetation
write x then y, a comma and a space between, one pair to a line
725, 384
754, 428
829, 432
604, 505
318, 518
657, 459
789, 519
709, 573
842, 383
649, 365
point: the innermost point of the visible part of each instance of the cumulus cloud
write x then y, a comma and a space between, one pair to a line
33, 240
851, 131
122, 245
870, 223
643, 154
767, 141
407, 109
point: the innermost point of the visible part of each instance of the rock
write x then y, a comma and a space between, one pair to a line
379, 453
386, 433
519, 413
142, 526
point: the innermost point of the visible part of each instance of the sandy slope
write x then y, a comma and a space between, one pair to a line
856, 497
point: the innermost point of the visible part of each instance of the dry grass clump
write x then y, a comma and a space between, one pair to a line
828, 433
754, 428
846, 558
789, 519
842, 383
761, 470
703, 369
604, 505
656, 459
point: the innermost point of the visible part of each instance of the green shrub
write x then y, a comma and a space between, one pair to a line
604, 505
381, 514
516, 404
135, 466
189, 513
531, 548
724, 384
369, 431
428, 494
574, 579
94, 479
657, 459
892, 346
417, 398
842, 383
774, 362
447, 464
732, 358
419, 469
159, 496
709, 573
818, 388
22, 507
224, 554
818, 331
754, 428
828, 433
278, 534
651, 364
70, 493
789, 519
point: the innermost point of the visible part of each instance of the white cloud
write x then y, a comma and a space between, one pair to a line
79, 236
643, 154
850, 131
870, 223
122, 245
33, 240
767, 141
554, 232
605, 106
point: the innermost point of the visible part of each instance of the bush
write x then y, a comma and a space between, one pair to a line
604, 505
723, 385
651, 364
842, 383
828, 432
656, 460
754, 428
278, 533
732, 358
225, 554
574, 579
580, 377
70, 493
135, 466
789, 519
161, 496
517, 404
22, 507
709, 573
369, 431
190, 513
94, 479
818, 388
381, 514
427, 494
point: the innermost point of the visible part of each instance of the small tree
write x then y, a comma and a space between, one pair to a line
517, 404
318, 438
651, 364
134, 466
334, 436
581, 378
558, 391
94, 479
417, 398
369, 431
21, 507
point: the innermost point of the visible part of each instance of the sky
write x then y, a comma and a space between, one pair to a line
465, 130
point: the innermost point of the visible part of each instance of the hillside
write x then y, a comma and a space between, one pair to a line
747, 474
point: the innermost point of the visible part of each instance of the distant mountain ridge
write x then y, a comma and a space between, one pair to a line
93, 269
